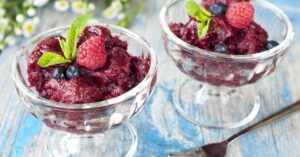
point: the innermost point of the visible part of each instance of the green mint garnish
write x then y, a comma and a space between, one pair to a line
201, 15
51, 58
68, 46
202, 28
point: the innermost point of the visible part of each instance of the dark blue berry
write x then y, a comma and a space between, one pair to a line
72, 72
221, 48
263, 49
58, 73
271, 44
218, 8
44, 96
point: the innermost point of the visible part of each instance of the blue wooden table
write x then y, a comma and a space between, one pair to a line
160, 128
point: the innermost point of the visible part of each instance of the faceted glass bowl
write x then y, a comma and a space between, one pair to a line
216, 76
91, 118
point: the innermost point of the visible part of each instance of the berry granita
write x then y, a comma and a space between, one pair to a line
224, 27
89, 65
103, 68
248, 39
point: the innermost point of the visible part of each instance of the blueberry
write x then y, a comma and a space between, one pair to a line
72, 72
44, 96
271, 44
263, 49
218, 8
221, 48
58, 73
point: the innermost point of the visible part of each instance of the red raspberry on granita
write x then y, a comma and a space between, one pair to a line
92, 54
240, 15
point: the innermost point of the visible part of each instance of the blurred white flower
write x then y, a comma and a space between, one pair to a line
110, 13
10, 40
31, 12
39, 3
1, 36
17, 31
28, 28
2, 11
61, 5
78, 6
36, 20
117, 5
91, 6
4, 22
121, 16
20, 18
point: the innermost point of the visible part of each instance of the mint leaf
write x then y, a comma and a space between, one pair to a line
199, 29
192, 8
80, 23
69, 46
51, 58
197, 11
202, 18
201, 15
75, 30
203, 28
204, 11
71, 42
63, 47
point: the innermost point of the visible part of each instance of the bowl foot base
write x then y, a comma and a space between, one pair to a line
121, 141
216, 107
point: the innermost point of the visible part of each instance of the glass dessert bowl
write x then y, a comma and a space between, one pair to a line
218, 95
86, 129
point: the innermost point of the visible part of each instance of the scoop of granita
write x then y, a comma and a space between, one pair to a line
83, 68
36, 74
74, 91
219, 32
251, 40
103, 32
227, 27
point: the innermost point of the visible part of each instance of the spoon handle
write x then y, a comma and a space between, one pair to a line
282, 113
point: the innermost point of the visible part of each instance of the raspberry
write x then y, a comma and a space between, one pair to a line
240, 15
92, 54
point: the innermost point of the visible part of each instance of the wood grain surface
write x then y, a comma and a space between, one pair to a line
160, 128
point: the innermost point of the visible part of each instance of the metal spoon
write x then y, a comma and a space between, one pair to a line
219, 149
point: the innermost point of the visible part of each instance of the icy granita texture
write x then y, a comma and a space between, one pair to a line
227, 39
249, 40
120, 73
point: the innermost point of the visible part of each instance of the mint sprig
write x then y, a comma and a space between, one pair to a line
51, 58
202, 28
68, 46
201, 15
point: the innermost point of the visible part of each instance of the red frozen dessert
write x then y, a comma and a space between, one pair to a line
102, 68
231, 29
88, 65
225, 27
